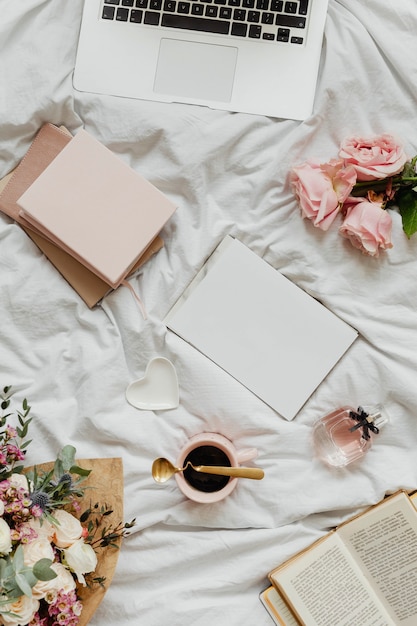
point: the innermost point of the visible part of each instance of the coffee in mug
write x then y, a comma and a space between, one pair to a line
209, 449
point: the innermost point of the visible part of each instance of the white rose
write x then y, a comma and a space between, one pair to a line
23, 609
19, 481
81, 559
36, 550
1, 508
67, 530
63, 581
5, 538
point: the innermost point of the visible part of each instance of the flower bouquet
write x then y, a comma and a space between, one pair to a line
57, 548
369, 176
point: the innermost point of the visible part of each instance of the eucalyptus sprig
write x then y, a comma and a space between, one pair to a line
59, 486
17, 579
13, 442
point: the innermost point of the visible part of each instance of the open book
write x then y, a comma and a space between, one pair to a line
363, 573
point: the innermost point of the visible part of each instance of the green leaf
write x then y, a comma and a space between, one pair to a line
18, 562
407, 205
84, 517
67, 457
42, 570
76, 469
3, 564
24, 585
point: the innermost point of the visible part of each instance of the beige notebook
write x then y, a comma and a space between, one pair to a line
95, 207
49, 141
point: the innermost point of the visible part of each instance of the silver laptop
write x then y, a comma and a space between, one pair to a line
249, 56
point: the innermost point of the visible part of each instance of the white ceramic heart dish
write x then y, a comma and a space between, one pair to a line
158, 389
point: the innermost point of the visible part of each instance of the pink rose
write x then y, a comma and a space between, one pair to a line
373, 158
367, 226
321, 189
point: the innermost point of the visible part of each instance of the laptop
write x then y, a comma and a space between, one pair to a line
249, 56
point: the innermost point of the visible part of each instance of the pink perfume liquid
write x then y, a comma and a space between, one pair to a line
337, 444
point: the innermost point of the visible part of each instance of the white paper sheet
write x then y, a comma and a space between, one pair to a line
260, 327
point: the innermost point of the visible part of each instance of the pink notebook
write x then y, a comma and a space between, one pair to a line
94, 206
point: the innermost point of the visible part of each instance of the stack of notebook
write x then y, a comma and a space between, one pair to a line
95, 218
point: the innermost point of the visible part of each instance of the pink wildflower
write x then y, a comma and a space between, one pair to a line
11, 432
66, 609
36, 511
14, 452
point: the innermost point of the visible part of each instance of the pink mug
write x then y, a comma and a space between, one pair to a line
209, 449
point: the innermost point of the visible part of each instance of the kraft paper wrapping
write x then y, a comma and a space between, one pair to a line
104, 485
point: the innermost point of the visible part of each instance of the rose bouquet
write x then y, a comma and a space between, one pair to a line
369, 176
48, 546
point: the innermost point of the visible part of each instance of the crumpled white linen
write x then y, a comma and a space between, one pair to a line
189, 564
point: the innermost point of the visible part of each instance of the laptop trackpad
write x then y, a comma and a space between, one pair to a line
195, 70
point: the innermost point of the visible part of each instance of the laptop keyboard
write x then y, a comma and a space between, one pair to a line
267, 20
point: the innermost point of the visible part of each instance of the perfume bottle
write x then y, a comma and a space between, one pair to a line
346, 434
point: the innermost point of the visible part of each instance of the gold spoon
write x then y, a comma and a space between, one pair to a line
162, 470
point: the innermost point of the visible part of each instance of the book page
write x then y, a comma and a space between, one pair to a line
326, 588
384, 543
277, 608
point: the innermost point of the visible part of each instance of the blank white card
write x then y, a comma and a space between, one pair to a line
260, 327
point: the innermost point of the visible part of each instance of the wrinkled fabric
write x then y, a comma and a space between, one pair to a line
185, 564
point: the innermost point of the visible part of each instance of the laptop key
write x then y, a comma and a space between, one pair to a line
239, 28
136, 16
255, 31
254, 16
170, 5
276, 5
122, 15
151, 18
239, 15
190, 22
283, 34
303, 8
211, 11
108, 13
291, 21
267, 18
291, 7
225, 13
197, 9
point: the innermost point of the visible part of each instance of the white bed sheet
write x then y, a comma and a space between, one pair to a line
184, 563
